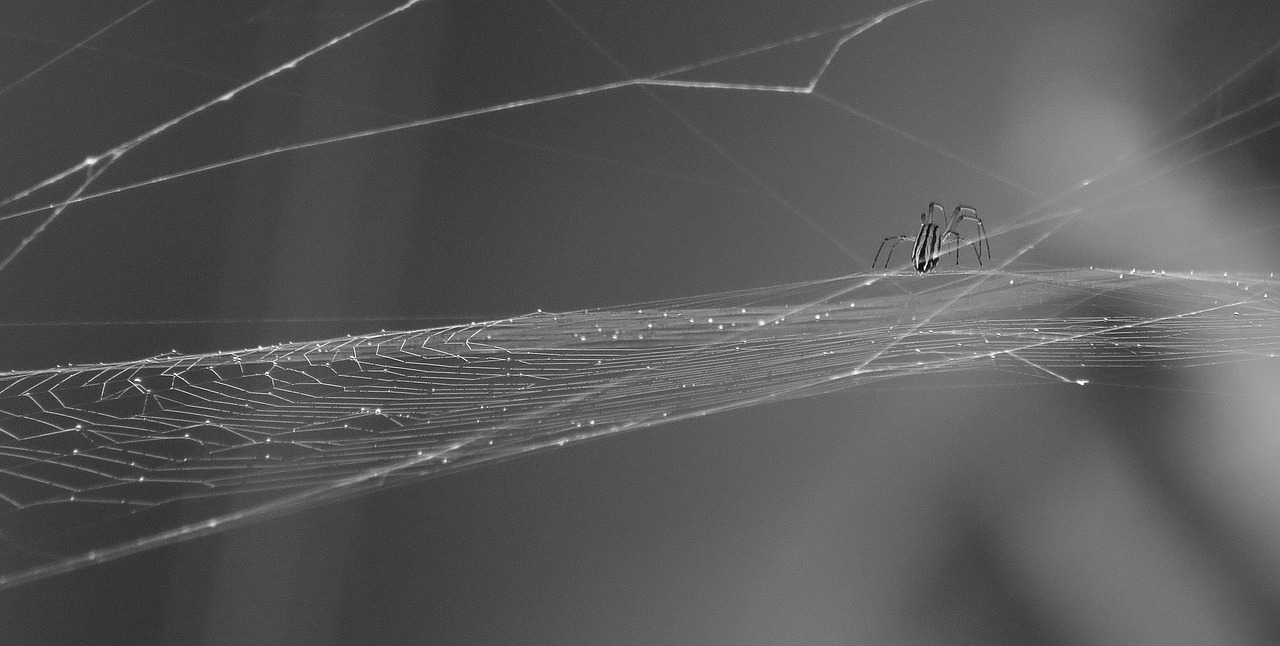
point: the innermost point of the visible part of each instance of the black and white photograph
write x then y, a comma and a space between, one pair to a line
643, 322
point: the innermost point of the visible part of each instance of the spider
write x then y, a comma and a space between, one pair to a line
930, 242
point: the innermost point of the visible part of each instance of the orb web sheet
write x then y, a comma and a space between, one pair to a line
327, 417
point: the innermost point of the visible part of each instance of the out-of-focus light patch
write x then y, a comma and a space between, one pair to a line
1071, 114
1235, 459
1228, 225
1106, 560
1066, 128
1083, 112
1156, 225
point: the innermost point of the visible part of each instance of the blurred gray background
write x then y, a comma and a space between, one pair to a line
925, 510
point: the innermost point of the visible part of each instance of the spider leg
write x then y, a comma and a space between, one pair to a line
961, 241
963, 212
896, 240
932, 206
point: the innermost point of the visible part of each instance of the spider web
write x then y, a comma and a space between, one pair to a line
101, 460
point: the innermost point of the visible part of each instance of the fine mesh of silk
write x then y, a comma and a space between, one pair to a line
303, 422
